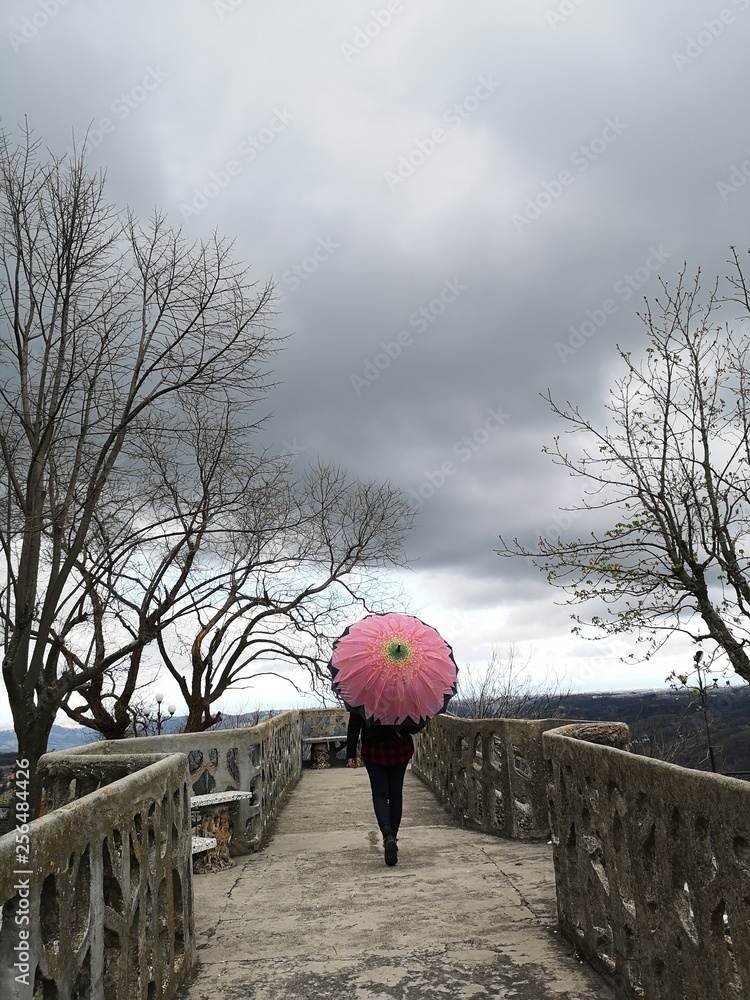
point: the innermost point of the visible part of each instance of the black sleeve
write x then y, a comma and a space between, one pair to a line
352, 735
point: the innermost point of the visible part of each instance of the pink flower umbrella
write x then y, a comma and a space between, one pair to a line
394, 670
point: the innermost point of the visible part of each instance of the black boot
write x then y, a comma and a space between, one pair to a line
391, 848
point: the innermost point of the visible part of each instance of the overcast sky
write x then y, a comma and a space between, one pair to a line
445, 194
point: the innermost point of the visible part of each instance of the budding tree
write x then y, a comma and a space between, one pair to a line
668, 478
110, 331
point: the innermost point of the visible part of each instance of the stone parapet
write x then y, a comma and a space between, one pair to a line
324, 737
96, 895
324, 722
489, 772
106, 910
652, 861
263, 759
652, 866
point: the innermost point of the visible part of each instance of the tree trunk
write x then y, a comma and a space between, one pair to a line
200, 718
32, 730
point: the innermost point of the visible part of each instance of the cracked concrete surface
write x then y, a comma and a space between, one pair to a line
317, 914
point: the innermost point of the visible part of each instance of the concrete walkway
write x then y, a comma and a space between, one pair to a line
316, 914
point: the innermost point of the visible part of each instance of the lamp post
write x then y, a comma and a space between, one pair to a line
170, 708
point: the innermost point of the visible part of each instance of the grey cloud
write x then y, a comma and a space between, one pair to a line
647, 184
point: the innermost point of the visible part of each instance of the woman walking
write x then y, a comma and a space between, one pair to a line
385, 753
399, 672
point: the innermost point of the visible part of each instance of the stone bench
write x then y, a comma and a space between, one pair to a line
201, 844
212, 821
320, 749
217, 799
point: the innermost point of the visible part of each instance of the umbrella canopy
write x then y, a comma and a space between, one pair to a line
393, 670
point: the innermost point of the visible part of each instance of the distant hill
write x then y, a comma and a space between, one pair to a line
664, 723
66, 737
61, 738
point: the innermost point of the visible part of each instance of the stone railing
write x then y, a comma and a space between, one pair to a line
652, 864
489, 772
96, 895
263, 759
652, 861
105, 911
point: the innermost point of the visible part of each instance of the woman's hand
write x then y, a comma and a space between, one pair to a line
352, 762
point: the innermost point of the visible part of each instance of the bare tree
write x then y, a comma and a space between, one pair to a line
673, 741
299, 559
506, 689
256, 572
110, 331
169, 554
669, 478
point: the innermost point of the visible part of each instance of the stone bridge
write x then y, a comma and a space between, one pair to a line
316, 913
539, 860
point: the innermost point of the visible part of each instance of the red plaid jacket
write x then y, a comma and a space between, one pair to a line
380, 744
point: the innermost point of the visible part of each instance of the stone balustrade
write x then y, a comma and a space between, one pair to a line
489, 772
263, 759
96, 895
652, 865
105, 911
652, 861
325, 722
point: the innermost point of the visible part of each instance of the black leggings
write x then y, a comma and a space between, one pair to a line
387, 783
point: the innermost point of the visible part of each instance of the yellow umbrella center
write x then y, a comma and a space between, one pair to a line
397, 652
